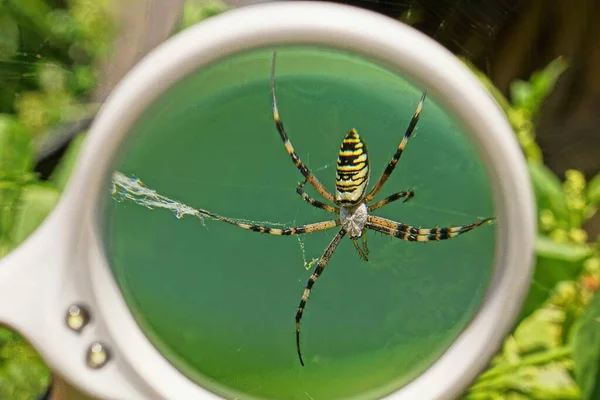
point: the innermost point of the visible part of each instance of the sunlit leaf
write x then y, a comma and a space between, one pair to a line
63, 25
51, 76
547, 248
544, 81
9, 195
521, 94
195, 11
23, 374
547, 188
83, 79
32, 111
531, 95
593, 191
16, 152
555, 262
31, 15
586, 351
541, 375
35, 203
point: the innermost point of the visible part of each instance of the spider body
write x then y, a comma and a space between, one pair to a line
351, 180
354, 219
352, 203
352, 170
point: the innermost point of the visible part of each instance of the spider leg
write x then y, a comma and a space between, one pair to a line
364, 239
363, 253
392, 164
313, 202
412, 234
393, 197
288, 145
298, 230
311, 281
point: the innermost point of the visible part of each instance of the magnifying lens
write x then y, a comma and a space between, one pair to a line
241, 163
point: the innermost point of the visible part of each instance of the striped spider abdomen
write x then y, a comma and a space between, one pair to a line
352, 170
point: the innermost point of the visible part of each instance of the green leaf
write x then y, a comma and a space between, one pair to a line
51, 76
530, 96
195, 11
543, 81
6, 246
593, 191
16, 151
31, 15
586, 351
573, 253
62, 173
23, 374
9, 195
540, 375
9, 36
521, 94
83, 79
63, 25
547, 188
16, 159
35, 203
555, 262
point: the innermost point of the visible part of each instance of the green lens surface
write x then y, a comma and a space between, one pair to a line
219, 302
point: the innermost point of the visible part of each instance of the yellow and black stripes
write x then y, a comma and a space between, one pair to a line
412, 234
313, 202
298, 230
311, 281
393, 197
352, 170
288, 145
392, 164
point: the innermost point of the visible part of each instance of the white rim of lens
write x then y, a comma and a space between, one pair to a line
371, 36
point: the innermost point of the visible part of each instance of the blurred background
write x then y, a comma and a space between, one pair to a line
59, 59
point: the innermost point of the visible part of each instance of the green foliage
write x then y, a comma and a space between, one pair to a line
16, 159
9, 36
22, 374
554, 351
16, 151
47, 51
593, 192
586, 351
195, 11
527, 96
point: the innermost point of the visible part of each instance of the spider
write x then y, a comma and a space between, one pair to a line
351, 203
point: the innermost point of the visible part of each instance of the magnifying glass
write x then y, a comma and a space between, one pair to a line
228, 232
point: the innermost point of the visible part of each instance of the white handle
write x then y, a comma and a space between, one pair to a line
39, 281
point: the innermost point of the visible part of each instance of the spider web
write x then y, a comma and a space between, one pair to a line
129, 188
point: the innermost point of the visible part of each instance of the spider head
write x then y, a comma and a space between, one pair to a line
352, 170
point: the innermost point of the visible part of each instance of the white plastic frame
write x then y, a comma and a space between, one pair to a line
63, 261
